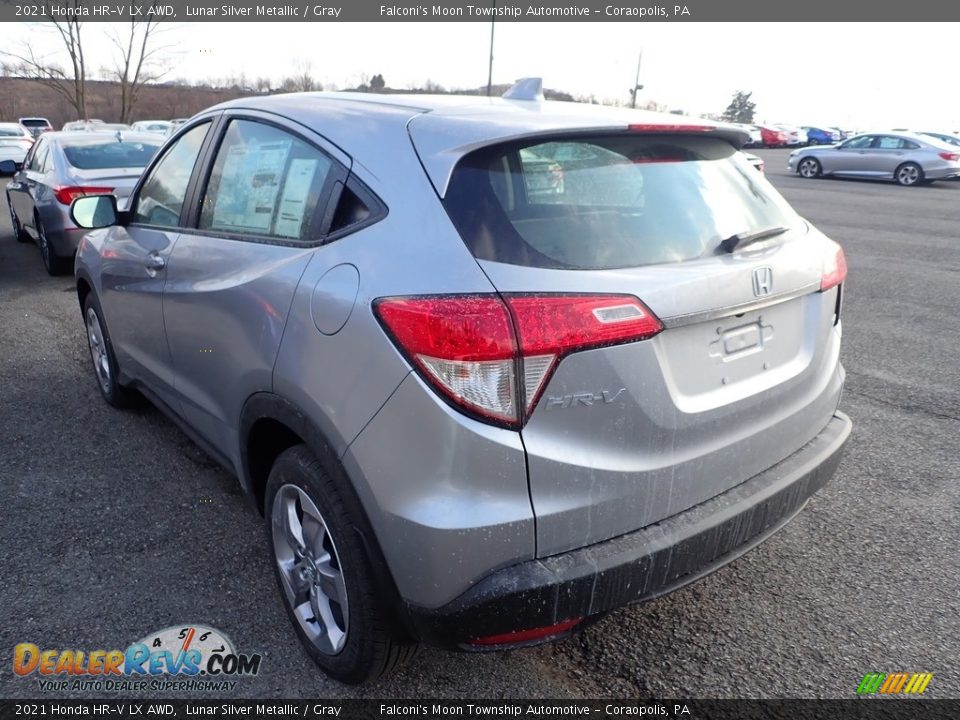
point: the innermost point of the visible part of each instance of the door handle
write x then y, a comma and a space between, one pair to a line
154, 262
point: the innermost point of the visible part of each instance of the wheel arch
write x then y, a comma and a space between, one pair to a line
270, 424
84, 288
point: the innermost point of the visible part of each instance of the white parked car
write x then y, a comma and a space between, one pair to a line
15, 142
795, 135
159, 127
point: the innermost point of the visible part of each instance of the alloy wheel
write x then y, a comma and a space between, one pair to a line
908, 175
310, 570
98, 350
809, 168
44, 244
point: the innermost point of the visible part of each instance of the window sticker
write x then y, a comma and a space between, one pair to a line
247, 194
293, 202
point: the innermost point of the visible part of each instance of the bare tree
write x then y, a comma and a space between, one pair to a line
303, 80
71, 85
136, 63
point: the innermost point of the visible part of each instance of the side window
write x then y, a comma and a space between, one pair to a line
264, 182
39, 156
162, 195
859, 143
909, 145
46, 162
888, 142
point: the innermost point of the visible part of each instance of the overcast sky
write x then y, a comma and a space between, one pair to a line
857, 75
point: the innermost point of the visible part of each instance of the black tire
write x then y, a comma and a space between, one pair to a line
18, 233
107, 375
908, 174
809, 167
370, 643
813, 141
54, 264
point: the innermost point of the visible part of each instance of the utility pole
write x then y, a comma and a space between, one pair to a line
490, 66
636, 83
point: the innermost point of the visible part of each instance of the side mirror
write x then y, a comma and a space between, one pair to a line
8, 167
95, 211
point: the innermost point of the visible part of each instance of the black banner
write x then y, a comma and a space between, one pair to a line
476, 11
860, 709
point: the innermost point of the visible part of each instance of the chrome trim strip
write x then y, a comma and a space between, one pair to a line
715, 314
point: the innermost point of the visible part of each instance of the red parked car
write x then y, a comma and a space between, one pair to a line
773, 137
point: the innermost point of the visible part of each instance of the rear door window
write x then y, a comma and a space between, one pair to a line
624, 200
265, 182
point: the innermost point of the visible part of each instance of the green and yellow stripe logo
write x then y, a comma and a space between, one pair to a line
894, 683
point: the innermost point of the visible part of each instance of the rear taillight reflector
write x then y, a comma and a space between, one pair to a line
492, 356
525, 636
66, 194
952, 157
834, 267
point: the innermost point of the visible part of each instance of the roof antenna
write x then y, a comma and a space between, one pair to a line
530, 88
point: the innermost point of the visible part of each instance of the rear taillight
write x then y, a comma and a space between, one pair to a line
492, 356
952, 157
834, 267
66, 194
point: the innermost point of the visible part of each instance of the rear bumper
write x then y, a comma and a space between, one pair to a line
945, 172
641, 565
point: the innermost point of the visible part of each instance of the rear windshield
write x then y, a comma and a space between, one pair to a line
110, 154
30, 122
614, 201
11, 132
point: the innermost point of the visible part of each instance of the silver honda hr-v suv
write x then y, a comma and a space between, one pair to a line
490, 368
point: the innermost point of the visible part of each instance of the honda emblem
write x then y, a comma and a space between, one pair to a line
763, 281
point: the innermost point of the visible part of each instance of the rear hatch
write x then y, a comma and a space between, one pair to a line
744, 370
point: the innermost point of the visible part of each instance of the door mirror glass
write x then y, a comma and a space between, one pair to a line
94, 211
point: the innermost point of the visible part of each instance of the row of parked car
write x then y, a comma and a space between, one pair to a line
773, 136
35, 126
16, 138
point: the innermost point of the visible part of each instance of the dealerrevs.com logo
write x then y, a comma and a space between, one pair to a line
185, 657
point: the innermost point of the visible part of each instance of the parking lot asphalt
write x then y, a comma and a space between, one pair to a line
113, 524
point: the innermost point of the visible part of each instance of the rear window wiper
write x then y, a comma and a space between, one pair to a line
734, 242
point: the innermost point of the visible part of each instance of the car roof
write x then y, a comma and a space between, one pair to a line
444, 128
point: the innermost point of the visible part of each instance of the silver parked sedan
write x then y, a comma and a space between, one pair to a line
489, 368
63, 166
905, 157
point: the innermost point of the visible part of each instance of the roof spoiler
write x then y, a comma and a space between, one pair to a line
530, 88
